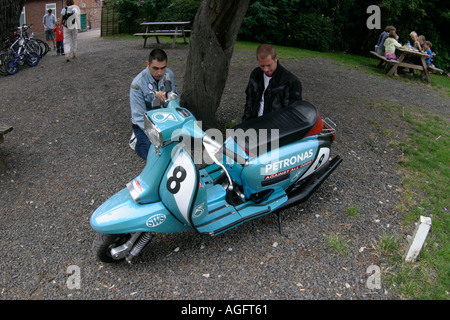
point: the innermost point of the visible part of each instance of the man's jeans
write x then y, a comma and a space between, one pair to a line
142, 142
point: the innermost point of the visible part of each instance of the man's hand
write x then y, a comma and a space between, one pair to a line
161, 95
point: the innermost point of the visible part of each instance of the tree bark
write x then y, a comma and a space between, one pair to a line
9, 16
214, 33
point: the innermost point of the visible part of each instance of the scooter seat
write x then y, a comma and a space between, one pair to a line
294, 123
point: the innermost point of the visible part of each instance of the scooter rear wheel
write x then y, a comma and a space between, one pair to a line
103, 243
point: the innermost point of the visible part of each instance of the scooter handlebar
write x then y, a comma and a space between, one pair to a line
216, 147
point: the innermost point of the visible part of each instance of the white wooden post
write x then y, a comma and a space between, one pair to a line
418, 239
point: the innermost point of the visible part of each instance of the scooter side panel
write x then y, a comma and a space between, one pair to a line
120, 214
280, 168
181, 190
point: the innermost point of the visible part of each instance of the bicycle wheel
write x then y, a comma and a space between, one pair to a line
5, 56
32, 59
44, 46
12, 67
32, 46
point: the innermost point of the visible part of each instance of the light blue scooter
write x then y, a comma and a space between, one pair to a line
192, 180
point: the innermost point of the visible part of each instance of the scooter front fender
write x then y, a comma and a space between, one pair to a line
120, 214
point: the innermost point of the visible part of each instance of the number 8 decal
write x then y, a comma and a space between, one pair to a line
174, 182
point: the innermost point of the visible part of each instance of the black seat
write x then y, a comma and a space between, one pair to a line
293, 122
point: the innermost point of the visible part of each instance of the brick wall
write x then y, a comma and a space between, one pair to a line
35, 11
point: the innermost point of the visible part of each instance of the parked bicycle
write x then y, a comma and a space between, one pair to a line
23, 49
39, 44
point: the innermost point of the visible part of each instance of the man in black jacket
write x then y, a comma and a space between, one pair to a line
271, 87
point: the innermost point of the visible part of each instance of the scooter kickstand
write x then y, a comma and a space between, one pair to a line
280, 227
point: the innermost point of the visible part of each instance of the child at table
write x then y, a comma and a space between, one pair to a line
427, 47
389, 46
415, 41
422, 42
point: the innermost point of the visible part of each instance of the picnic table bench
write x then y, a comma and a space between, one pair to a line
434, 69
4, 129
401, 62
158, 29
384, 59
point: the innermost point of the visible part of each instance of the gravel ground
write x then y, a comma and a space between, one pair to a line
69, 152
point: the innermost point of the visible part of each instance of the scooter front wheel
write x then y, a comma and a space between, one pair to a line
103, 243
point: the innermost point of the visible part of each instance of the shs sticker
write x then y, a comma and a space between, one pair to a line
156, 220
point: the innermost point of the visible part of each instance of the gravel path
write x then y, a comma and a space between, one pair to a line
69, 152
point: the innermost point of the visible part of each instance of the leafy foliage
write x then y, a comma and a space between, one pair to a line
133, 12
321, 25
340, 25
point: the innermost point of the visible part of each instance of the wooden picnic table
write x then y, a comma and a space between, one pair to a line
409, 63
156, 29
4, 129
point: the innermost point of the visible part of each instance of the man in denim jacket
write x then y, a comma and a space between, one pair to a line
147, 92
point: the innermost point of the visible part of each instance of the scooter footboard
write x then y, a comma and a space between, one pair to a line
120, 214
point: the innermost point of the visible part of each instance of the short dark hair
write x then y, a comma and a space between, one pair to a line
266, 50
157, 54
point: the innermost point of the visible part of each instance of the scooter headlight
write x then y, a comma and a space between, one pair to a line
153, 132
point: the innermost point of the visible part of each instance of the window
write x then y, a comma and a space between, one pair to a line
22, 19
51, 6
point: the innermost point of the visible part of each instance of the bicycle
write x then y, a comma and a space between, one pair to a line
21, 39
42, 46
24, 53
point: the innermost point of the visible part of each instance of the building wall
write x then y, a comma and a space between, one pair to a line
35, 11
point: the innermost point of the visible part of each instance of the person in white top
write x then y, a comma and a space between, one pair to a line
71, 22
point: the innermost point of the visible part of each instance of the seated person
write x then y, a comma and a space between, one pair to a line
390, 44
415, 43
379, 47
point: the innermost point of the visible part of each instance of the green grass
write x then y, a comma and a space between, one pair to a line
353, 211
352, 61
427, 183
337, 244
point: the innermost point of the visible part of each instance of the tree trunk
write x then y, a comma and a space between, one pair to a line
9, 16
214, 33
